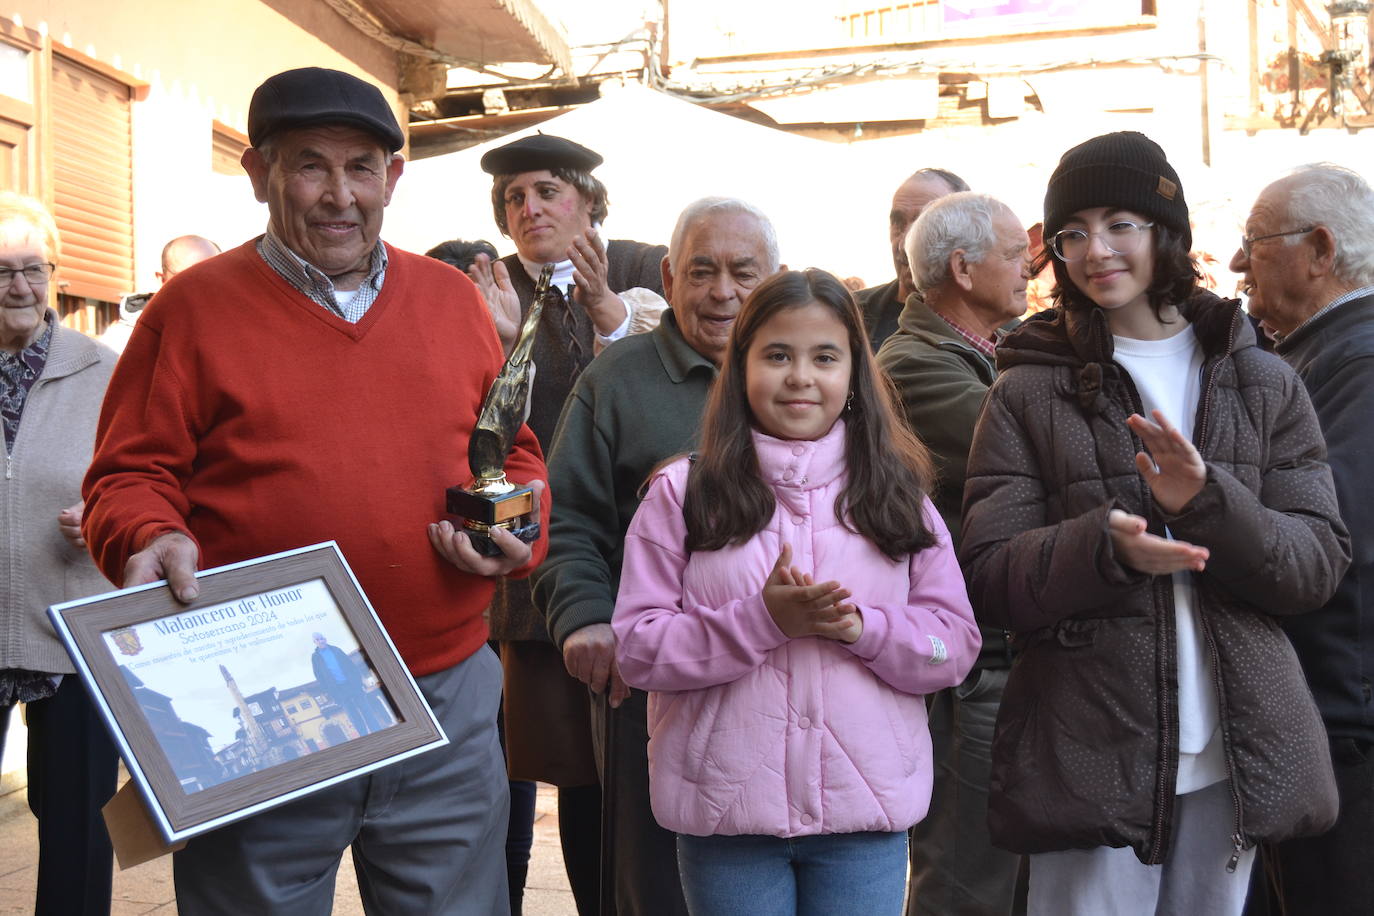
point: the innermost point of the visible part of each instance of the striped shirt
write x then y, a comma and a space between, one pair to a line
317, 287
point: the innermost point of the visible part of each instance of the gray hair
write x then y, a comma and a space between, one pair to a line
962, 220
699, 210
1326, 194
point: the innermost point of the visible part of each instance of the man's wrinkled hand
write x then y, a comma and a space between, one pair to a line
454, 545
172, 556
589, 654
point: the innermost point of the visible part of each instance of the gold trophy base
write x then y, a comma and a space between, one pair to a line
493, 503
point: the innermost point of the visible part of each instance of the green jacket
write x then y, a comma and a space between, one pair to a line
637, 404
942, 380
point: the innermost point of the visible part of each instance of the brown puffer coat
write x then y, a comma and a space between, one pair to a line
1085, 752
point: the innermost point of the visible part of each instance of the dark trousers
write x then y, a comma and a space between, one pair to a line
519, 840
955, 869
1331, 874
579, 834
73, 768
645, 855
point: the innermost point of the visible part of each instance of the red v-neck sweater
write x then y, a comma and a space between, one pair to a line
256, 421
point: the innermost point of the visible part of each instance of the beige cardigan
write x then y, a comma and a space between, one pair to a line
42, 477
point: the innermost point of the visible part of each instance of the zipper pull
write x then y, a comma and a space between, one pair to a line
1238, 843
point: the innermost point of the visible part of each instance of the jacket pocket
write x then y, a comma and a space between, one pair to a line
1076, 634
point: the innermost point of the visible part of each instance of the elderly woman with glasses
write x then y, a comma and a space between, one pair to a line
52, 381
1146, 492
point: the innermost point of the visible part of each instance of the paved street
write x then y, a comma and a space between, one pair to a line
147, 888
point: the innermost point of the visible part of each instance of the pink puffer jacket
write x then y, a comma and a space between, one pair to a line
752, 732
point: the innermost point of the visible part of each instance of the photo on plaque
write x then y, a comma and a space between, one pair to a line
277, 681
241, 687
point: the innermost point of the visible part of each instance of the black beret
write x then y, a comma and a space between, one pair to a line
537, 152
312, 96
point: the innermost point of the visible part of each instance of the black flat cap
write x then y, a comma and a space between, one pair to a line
540, 151
312, 96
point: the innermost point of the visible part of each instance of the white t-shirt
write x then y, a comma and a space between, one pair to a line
1168, 376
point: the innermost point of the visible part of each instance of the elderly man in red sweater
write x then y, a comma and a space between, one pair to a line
316, 383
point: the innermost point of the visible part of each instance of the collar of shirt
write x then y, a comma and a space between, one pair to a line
980, 343
679, 359
1333, 305
318, 288
562, 272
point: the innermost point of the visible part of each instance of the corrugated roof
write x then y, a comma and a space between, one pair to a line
477, 32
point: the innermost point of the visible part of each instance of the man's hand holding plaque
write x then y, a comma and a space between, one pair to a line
490, 507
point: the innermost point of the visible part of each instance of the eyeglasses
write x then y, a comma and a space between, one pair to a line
1248, 242
1121, 237
36, 274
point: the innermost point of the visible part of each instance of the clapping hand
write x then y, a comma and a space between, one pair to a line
800, 607
591, 288
1173, 468
1149, 553
493, 280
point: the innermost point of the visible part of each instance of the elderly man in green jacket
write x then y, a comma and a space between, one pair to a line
637, 404
968, 255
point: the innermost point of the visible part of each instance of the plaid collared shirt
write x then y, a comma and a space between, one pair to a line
317, 287
1333, 304
980, 343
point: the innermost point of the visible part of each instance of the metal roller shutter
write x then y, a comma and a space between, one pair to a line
92, 181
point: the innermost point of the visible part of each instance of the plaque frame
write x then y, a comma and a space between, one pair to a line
177, 813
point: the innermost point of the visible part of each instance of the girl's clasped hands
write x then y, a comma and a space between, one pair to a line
800, 607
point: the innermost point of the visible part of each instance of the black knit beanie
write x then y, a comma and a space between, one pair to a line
1125, 169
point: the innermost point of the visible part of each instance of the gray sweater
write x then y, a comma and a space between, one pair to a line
42, 477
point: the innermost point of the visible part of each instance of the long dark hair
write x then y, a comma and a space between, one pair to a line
1174, 281
889, 470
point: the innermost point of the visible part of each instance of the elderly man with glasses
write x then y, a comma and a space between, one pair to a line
968, 258
1307, 259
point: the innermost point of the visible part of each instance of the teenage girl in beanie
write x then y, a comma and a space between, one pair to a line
1146, 490
789, 596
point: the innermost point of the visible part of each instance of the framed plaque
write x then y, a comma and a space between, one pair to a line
277, 681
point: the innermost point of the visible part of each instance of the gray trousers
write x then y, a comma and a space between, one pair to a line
955, 870
1112, 882
428, 833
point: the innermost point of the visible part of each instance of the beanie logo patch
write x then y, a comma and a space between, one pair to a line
1166, 188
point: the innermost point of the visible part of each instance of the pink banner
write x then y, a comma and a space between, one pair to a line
1032, 12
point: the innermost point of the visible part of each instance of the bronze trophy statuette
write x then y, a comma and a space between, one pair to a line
490, 500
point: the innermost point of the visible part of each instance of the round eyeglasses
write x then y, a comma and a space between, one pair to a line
36, 274
1121, 237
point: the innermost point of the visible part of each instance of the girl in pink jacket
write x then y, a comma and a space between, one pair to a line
788, 597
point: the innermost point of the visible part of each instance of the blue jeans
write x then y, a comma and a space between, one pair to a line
767, 875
